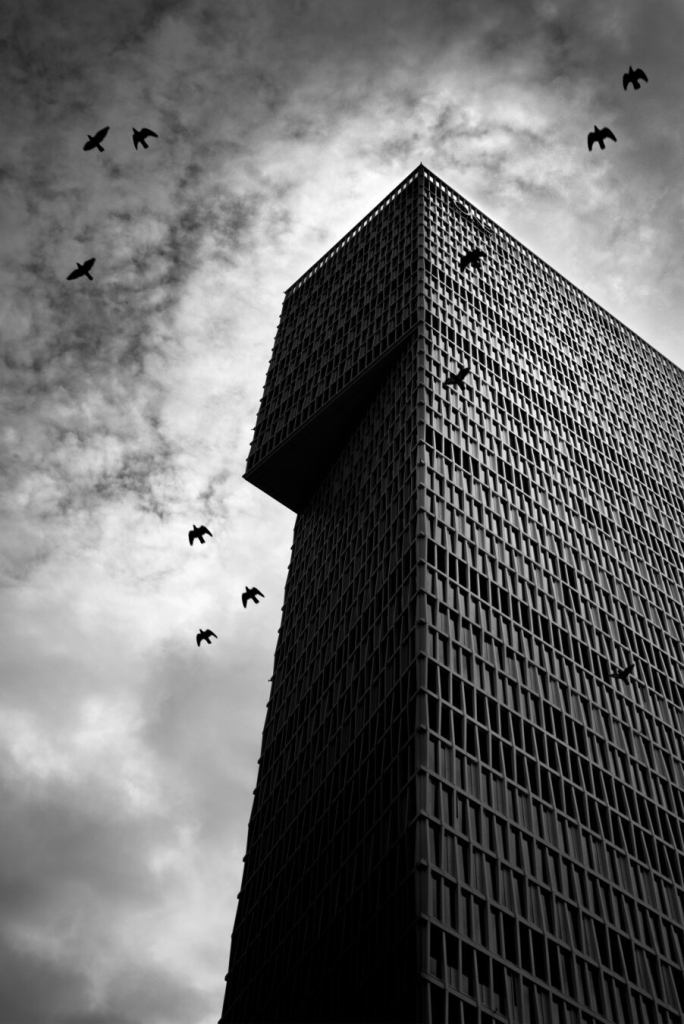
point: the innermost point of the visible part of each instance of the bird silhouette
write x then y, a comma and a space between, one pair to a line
633, 77
623, 673
204, 634
250, 594
83, 270
598, 135
472, 257
198, 532
454, 379
140, 136
95, 140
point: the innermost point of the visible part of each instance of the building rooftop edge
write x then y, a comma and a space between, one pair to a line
326, 255
567, 280
366, 217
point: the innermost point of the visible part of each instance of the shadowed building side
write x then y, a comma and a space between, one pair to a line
342, 325
326, 924
328, 905
292, 473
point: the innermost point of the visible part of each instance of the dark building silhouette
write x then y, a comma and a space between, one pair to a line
461, 815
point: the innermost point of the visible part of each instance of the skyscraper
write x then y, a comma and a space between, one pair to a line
461, 813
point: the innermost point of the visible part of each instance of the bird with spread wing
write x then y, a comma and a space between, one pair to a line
633, 76
95, 140
598, 135
197, 533
457, 379
140, 136
250, 594
204, 634
82, 270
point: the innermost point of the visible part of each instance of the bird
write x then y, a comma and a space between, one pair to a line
598, 135
473, 256
95, 140
623, 673
454, 379
83, 270
204, 634
198, 532
250, 593
633, 77
140, 136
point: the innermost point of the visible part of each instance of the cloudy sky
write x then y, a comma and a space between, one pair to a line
127, 755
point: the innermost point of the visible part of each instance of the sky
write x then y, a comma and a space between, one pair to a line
128, 755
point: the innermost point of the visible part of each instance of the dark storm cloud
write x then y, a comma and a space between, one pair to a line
145, 996
144, 223
67, 854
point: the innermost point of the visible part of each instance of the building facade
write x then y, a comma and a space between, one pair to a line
461, 814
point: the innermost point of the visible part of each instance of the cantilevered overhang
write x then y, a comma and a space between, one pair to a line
292, 471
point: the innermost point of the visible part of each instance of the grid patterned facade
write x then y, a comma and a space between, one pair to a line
460, 814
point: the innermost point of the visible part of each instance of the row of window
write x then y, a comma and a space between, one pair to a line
634, 750
612, 939
476, 609
534, 357
596, 645
465, 902
649, 417
615, 556
589, 448
474, 973
589, 526
570, 306
556, 529
529, 1002
626, 767
554, 832
552, 569
569, 859
612, 777
504, 452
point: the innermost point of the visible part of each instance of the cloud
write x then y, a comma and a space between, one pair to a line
84, 841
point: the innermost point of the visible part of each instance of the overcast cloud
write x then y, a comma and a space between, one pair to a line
127, 755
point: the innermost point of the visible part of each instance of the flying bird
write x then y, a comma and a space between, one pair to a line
454, 379
633, 77
598, 135
204, 634
250, 594
95, 140
623, 673
473, 256
140, 136
198, 532
83, 270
